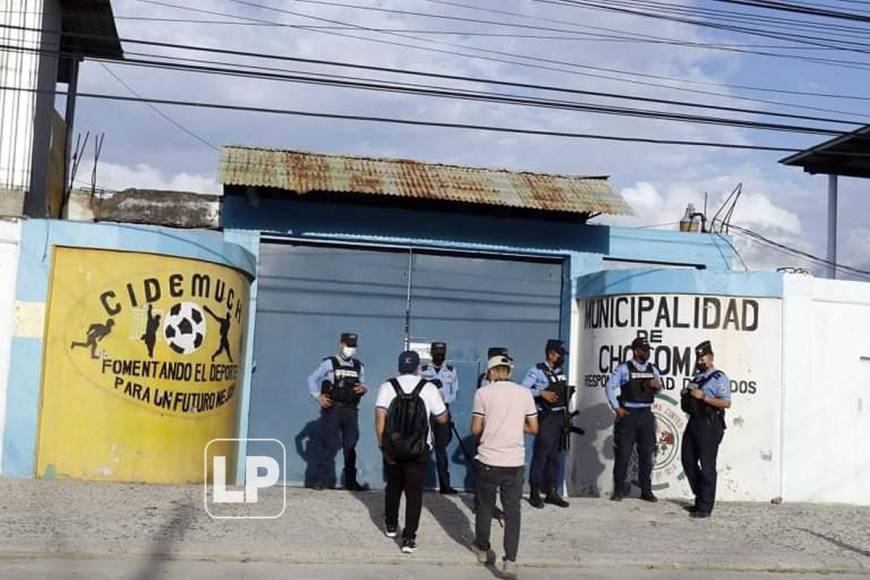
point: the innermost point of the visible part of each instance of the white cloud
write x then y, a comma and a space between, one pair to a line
119, 177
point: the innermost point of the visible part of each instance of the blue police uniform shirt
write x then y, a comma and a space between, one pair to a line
536, 381
621, 376
719, 387
448, 377
324, 373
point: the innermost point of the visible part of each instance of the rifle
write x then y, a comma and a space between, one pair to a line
568, 426
497, 514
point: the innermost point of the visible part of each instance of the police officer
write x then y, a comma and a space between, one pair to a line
338, 385
445, 378
631, 390
549, 387
705, 399
492, 351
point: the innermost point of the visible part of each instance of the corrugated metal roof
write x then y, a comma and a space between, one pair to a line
303, 172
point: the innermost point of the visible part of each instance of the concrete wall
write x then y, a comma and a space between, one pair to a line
826, 403
741, 314
38, 238
9, 235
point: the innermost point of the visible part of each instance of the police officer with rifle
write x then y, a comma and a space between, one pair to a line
338, 385
552, 395
704, 399
443, 376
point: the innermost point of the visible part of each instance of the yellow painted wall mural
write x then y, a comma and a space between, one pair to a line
142, 366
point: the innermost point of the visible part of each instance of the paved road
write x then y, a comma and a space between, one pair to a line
86, 524
114, 569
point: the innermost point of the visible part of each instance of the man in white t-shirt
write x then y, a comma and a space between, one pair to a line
503, 413
407, 475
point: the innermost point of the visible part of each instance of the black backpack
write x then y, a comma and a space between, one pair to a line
407, 430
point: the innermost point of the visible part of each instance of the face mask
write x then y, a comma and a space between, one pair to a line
438, 359
641, 356
348, 351
701, 366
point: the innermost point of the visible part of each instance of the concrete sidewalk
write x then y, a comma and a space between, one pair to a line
40, 519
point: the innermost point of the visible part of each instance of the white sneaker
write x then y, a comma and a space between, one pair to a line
485, 557
391, 531
409, 546
508, 569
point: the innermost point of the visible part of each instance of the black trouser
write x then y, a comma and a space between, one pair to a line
442, 435
509, 482
405, 477
546, 456
638, 428
700, 448
339, 427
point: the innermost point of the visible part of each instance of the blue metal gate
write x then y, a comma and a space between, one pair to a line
308, 295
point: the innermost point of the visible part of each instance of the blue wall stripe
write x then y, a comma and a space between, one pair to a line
674, 281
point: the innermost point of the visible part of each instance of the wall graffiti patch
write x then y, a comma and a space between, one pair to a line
140, 344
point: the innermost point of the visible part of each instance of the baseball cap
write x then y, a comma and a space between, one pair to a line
499, 360
408, 362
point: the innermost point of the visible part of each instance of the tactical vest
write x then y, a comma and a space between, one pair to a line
557, 383
697, 408
345, 378
638, 388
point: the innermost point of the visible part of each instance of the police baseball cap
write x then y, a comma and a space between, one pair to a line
640, 342
495, 350
348, 338
703, 348
408, 362
556, 345
439, 347
499, 360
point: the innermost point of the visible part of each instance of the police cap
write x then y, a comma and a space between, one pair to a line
557, 345
348, 338
640, 342
496, 350
438, 347
703, 348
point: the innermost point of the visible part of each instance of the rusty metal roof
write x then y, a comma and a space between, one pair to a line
303, 172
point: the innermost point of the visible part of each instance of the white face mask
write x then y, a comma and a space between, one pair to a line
348, 351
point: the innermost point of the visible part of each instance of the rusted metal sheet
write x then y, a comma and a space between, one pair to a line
302, 172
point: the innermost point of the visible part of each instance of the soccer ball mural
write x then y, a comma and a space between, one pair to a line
184, 328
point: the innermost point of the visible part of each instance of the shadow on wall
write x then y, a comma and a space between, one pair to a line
588, 467
309, 448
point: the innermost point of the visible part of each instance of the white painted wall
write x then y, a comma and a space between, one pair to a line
18, 69
826, 402
749, 457
9, 237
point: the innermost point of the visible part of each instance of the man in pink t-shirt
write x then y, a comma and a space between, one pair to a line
503, 412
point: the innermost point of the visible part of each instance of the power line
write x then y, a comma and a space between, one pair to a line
461, 78
199, 138
501, 98
842, 45
509, 61
415, 122
800, 9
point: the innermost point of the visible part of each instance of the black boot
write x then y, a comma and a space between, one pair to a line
535, 497
553, 497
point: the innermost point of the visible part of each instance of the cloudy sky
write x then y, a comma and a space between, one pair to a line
554, 44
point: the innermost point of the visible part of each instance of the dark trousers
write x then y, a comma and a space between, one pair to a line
442, 435
339, 427
508, 481
638, 428
700, 448
546, 457
405, 477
